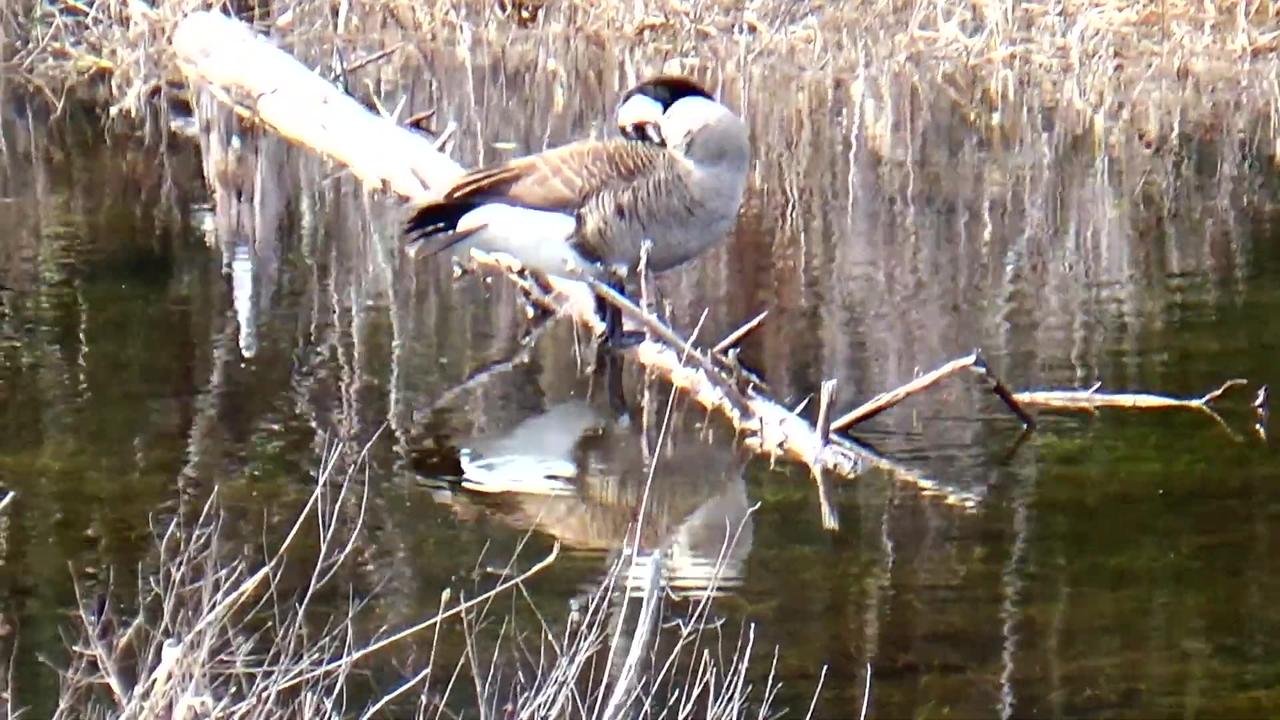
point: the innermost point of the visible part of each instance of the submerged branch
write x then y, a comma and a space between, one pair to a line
764, 426
1091, 399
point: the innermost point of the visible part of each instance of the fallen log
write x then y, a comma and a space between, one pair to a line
264, 83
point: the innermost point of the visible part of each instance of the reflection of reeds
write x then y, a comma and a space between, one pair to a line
902, 212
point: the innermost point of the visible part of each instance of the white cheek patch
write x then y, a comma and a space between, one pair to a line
639, 109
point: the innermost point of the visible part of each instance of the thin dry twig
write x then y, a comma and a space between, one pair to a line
373, 57
885, 400
826, 511
736, 336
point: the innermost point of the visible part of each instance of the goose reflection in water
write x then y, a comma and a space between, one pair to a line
574, 473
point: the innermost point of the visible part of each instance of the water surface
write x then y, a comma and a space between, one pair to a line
159, 340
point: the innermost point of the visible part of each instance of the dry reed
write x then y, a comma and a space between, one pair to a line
215, 636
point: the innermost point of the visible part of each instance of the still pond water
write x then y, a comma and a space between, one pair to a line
1117, 565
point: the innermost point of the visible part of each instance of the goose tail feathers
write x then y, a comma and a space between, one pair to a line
433, 228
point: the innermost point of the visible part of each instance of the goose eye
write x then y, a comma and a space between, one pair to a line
653, 133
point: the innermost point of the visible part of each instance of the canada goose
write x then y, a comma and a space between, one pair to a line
585, 210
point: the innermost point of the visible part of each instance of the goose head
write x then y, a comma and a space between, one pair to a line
678, 113
640, 112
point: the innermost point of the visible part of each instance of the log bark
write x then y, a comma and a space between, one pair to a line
263, 82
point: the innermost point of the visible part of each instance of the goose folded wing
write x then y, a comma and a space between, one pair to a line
563, 178
610, 222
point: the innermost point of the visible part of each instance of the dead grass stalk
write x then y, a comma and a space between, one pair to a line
216, 637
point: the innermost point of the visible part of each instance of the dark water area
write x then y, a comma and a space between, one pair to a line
159, 339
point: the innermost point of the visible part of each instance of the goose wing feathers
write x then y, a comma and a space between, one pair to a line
563, 178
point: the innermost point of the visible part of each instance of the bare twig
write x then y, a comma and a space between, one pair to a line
736, 336
827, 511
373, 57
866, 695
826, 397
813, 702
1262, 412
886, 400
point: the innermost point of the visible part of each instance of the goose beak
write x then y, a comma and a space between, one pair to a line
638, 119
649, 131
646, 132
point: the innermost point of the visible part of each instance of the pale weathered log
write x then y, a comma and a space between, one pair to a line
263, 82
